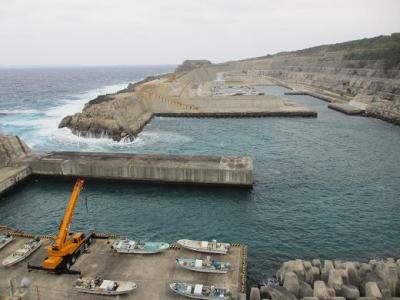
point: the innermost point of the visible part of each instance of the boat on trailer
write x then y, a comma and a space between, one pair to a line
138, 247
20, 254
101, 286
5, 240
205, 246
208, 265
200, 291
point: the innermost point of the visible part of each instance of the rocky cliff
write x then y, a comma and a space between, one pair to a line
367, 70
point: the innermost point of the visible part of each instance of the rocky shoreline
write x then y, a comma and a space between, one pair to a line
333, 280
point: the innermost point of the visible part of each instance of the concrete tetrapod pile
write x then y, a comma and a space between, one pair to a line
333, 280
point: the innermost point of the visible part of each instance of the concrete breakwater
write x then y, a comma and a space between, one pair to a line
218, 170
19, 163
339, 280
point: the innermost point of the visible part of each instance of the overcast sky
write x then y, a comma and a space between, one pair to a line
109, 32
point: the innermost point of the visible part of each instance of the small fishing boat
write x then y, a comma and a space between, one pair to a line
204, 246
138, 247
200, 291
208, 265
101, 286
20, 254
5, 240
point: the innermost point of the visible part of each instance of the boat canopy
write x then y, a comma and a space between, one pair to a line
198, 288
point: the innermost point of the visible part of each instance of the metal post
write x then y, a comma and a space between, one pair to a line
11, 289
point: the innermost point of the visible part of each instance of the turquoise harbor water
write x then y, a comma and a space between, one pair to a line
326, 187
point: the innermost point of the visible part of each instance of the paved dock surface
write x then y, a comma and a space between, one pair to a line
152, 273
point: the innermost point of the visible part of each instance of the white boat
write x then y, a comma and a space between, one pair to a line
100, 286
138, 247
204, 246
20, 254
200, 291
208, 265
5, 240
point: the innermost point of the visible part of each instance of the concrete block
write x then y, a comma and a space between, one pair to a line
345, 275
320, 289
291, 283
364, 268
295, 266
335, 280
350, 292
354, 279
305, 290
328, 265
331, 291
316, 263
264, 292
372, 290
312, 275
307, 265
338, 264
255, 294
398, 289
279, 293
372, 262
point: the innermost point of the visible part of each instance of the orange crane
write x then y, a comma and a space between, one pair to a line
67, 246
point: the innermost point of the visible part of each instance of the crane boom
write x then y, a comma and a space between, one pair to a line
67, 246
69, 212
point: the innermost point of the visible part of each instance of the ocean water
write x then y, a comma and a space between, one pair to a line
33, 101
326, 187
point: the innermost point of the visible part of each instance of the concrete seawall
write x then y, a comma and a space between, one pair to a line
11, 176
209, 170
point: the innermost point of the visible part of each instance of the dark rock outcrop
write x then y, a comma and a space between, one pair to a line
189, 65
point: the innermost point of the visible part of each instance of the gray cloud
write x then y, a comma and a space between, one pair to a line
168, 31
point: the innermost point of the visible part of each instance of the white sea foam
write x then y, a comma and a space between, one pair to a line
46, 125
46, 134
154, 137
18, 111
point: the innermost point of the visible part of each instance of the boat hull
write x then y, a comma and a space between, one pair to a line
192, 296
6, 242
12, 260
202, 270
147, 248
125, 288
188, 244
190, 264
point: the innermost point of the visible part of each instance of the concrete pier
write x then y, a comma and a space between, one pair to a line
347, 108
210, 170
152, 273
11, 176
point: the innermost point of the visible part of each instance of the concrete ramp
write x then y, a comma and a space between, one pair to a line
209, 170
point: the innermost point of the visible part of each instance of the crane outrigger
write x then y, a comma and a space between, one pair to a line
67, 246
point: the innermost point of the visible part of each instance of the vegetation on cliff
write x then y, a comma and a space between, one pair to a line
384, 48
